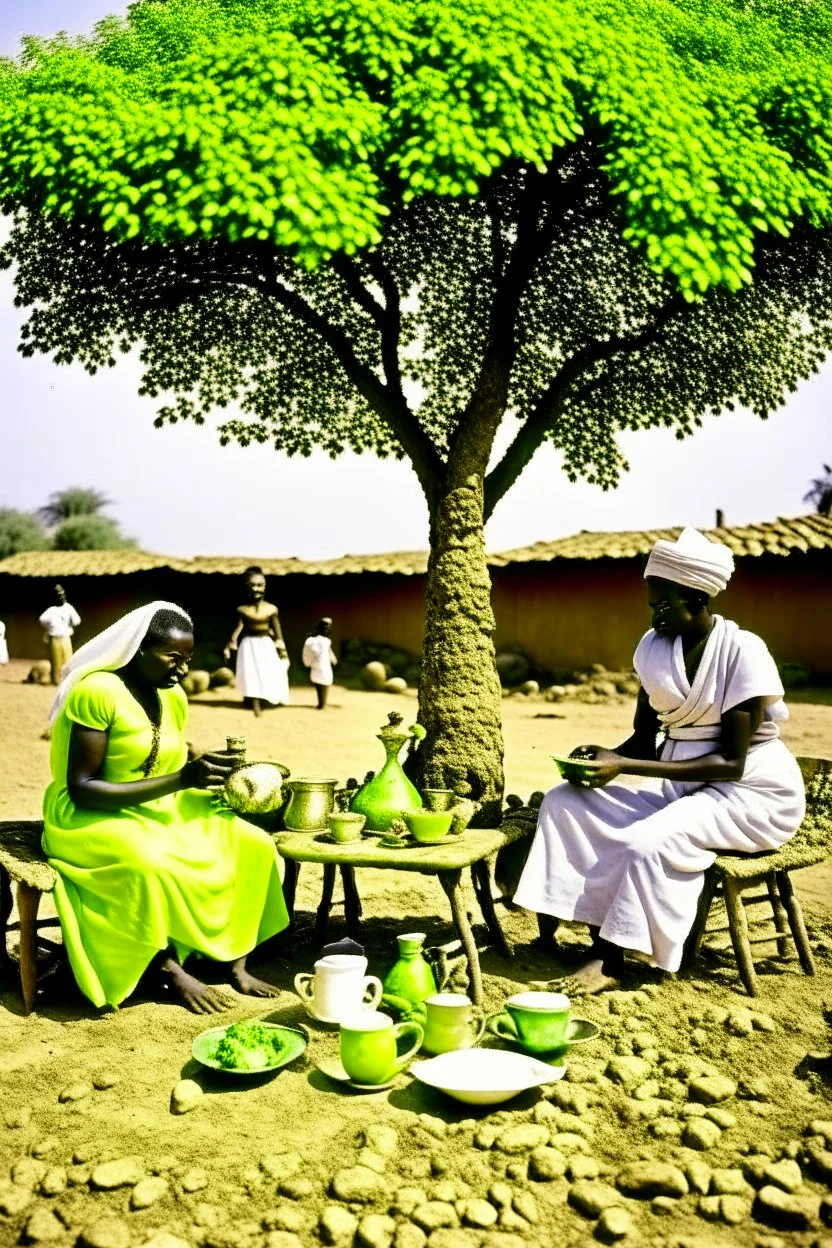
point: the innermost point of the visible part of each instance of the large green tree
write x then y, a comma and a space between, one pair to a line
392, 225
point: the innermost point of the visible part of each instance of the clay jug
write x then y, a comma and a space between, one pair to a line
410, 981
383, 798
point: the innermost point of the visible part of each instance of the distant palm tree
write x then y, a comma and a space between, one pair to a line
72, 502
821, 492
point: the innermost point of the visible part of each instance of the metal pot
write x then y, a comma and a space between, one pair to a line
310, 804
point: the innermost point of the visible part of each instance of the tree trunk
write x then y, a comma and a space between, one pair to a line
459, 696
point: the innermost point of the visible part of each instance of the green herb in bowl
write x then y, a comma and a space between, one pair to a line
248, 1048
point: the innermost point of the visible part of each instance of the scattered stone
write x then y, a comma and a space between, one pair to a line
296, 1188
45, 1148
478, 1213
147, 1192
728, 1183
503, 1239
785, 1174
698, 1175
410, 1236
281, 1165
381, 1139
820, 1126
28, 1172
53, 1182
663, 1206
194, 1180
43, 1226
819, 1162
284, 1218
569, 1142
518, 1170
628, 1072
754, 1090
357, 1183
375, 1230
434, 1214
108, 1175
75, 1092
785, 1210
78, 1176
522, 1138
526, 1205
406, 1200
754, 1168
500, 1194
284, 1239
646, 1179
486, 1136
105, 1232
708, 1208
734, 1209
207, 1215
711, 1089
85, 1153
666, 1129
568, 1097
17, 1119
723, 1118
437, 1127
104, 1080
453, 1237
509, 1220
164, 1239
337, 1225
546, 1164
762, 1022
185, 1096
582, 1167
14, 1198
591, 1197
701, 1134
739, 1023
373, 1160
614, 1224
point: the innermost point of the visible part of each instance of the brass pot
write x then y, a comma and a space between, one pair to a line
310, 804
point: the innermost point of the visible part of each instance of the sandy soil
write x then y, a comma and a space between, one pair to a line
253, 1165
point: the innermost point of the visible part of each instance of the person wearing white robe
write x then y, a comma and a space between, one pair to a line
262, 659
630, 862
318, 656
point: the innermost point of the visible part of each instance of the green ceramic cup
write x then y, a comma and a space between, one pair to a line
452, 1022
438, 799
538, 1021
369, 1048
345, 826
428, 825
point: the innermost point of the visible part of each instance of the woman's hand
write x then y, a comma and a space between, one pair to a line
209, 771
280, 646
226, 654
598, 766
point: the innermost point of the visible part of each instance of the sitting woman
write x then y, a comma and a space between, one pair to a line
149, 866
630, 862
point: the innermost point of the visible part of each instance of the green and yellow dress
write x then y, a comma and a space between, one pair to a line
178, 872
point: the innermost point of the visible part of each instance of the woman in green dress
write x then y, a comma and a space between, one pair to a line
149, 867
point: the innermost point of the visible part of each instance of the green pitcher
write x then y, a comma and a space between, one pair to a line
410, 981
383, 798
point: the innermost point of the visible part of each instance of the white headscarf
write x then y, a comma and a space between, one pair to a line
110, 650
692, 560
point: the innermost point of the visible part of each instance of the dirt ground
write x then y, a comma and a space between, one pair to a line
294, 1160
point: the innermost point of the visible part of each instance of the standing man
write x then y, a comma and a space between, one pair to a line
319, 658
59, 622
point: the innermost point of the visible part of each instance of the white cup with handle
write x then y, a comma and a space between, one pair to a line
338, 988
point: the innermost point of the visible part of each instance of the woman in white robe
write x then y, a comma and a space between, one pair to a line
630, 862
262, 659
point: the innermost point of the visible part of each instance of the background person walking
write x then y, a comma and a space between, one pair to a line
318, 656
59, 622
262, 659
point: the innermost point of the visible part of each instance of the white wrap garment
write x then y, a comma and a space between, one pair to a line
631, 861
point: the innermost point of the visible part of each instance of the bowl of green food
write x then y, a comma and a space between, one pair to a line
251, 1048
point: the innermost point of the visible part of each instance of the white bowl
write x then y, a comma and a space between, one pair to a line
485, 1076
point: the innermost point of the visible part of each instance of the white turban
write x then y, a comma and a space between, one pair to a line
110, 650
692, 560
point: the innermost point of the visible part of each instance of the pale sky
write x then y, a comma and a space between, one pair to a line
179, 492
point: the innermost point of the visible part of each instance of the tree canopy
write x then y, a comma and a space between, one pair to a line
76, 500
20, 531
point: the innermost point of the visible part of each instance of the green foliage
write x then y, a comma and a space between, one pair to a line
593, 214
20, 531
821, 492
75, 501
87, 532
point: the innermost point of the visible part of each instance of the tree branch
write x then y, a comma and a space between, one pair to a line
539, 421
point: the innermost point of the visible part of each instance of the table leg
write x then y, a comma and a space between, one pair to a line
481, 875
28, 900
352, 902
450, 881
322, 913
290, 885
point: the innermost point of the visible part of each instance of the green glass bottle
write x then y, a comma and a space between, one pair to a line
382, 799
410, 981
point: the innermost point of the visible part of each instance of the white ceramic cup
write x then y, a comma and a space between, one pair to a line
339, 987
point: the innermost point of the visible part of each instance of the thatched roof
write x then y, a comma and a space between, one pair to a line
774, 537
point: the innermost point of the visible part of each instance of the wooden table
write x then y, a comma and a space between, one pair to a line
472, 849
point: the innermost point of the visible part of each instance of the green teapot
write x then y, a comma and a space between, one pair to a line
383, 798
411, 979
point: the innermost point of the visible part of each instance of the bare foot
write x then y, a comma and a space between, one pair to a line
249, 985
584, 982
196, 996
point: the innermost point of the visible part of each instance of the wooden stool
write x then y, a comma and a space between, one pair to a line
23, 863
733, 876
